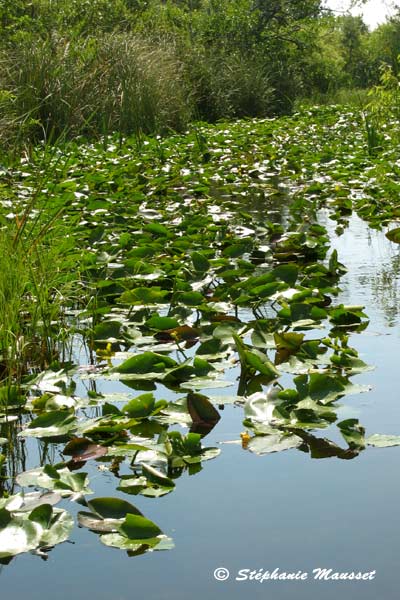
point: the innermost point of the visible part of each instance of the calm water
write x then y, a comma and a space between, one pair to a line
280, 510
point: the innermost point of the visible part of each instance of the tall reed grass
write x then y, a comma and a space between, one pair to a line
39, 281
124, 82
119, 82
229, 84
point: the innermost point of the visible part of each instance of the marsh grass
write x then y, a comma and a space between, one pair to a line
92, 86
39, 279
34, 293
126, 83
355, 97
230, 84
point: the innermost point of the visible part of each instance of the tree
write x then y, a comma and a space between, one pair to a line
353, 35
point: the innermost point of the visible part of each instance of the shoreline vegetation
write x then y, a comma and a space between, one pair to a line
70, 68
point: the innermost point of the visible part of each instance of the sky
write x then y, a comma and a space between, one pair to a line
374, 12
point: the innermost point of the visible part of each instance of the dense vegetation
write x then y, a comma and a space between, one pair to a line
178, 264
178, 267
69, 67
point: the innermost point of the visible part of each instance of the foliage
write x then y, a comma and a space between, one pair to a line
93, 68
189, 284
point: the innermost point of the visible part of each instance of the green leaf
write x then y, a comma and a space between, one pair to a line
19, 536
143, 295
42, 515
200, 262
190, 298
162, 323
148, 362
267, 290
59, 530
157, 229
273, 443
324, 388
137, 527
156, 477
352, 432
289, 341
287, 273
394, 235
112, 508
261, 364
140, 407
107, 330
116, 540
51, 424
61, 480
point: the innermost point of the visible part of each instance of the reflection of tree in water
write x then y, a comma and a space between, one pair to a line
385, 289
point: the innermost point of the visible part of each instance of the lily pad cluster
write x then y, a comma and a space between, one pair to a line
200, 271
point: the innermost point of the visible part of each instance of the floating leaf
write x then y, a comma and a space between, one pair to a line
324, 388
112, 508
107, 330
82, 449
116, 540
97, 523
58, 479
352, 432
382, 440
156, 477
140, 407
202, 411
200, 262
51, 424
162, 323
277, 442
19, 536
394, 235
42, 515
59, 529
137, 527
148, 362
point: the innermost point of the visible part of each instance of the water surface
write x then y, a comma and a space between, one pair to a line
281, 510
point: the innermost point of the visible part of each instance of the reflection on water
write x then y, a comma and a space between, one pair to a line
386, 289
373, 264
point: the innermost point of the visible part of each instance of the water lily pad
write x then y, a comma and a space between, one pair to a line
137, 527
82, 449
383, 441
51, 424
201, 410
116, 540
18, 537
140, 407
273, 443
394, 235
112, 508
145, 363
57, 479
